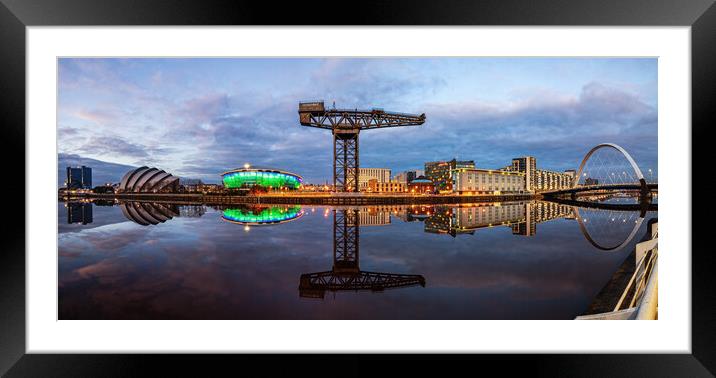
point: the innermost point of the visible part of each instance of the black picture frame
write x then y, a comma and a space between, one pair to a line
16, 15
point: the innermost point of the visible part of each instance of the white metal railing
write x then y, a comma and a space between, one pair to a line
643, 274
642, 286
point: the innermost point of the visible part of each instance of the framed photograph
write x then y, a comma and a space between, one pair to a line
443, 178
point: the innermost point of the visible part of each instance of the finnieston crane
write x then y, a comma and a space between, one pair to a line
346, 124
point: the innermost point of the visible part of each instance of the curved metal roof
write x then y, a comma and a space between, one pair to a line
145, 179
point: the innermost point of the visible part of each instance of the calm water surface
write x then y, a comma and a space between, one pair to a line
527, 260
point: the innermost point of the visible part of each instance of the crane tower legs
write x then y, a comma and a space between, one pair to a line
345, 160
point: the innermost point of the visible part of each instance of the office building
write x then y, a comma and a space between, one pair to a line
381, 175
385, 187
405, 177
440, 172
79, 177
487, 181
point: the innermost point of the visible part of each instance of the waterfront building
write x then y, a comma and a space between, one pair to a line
148, 180
405, 177
550, 180
266, 178
571, 173
537, 180
381, 175
487, 181
528, 166
79, 177
421, 185
440, 172
385, 187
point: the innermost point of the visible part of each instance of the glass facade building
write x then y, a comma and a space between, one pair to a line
440, 172
79, 177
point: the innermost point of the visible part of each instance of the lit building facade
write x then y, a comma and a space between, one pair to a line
79, 177
385, 187
405, 177
440, 172
549, 180
381, 175
528, 166
487, 181
538, 180
262, 177
421, 185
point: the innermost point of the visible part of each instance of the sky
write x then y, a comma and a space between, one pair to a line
199, 117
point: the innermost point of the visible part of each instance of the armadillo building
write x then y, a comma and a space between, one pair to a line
148, 180
263, 177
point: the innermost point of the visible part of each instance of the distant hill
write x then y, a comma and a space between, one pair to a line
102, 171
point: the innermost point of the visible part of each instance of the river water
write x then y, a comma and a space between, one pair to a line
524, 260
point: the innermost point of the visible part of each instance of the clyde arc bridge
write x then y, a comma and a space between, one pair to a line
346, 124
606, 168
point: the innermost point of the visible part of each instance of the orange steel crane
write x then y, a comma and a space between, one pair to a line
345, 125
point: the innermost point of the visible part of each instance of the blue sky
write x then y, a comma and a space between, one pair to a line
198, 117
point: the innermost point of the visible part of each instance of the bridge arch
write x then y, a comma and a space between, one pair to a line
626, 155
610, 248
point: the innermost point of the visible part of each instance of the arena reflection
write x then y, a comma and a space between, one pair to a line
258, 215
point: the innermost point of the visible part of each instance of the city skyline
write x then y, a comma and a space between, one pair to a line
197, 118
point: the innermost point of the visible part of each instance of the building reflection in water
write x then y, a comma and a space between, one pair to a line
345, 274
258, 215
149, 213
79, 212
522, 218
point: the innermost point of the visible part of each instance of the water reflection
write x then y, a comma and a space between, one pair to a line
79, 212
346, 273
149, 213
258, 215
192, 262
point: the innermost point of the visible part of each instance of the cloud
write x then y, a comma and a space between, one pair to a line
113, 145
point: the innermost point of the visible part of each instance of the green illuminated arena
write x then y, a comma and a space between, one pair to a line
263, 177
260, 215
